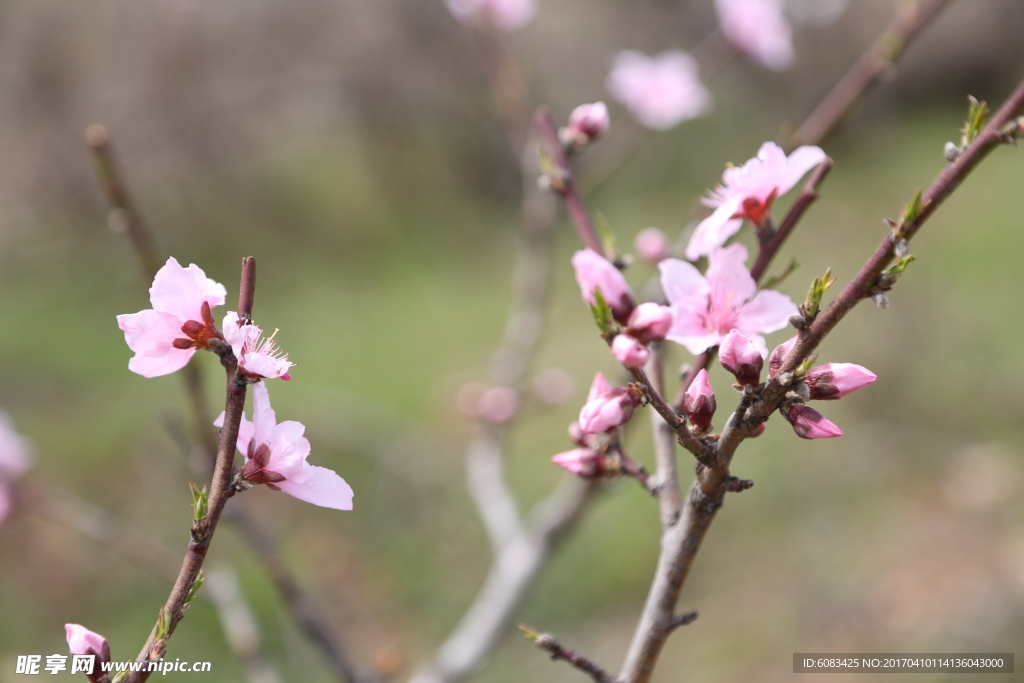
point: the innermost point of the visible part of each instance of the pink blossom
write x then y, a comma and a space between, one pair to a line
498, 404
779, 354
507, 15
705, 310
582, 462
15, 459
258, 357
659, 91
165, 337
741, 357
587, 122
593, 271
629, 351
808, 423
651, 245
759, 29
699, 402
748, 192
650, 322
82, 641
275, 455
835, 380
608, 411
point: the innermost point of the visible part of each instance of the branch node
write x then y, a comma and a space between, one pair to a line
682, 620
735, 484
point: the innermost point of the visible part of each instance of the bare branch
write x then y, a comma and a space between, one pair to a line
547, 642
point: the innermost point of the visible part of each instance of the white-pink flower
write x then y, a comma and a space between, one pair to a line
706, 309
275, 455
759, 29
257, 356
587, 122
748, 192
165, 337
659, 91
507, 15
15, 459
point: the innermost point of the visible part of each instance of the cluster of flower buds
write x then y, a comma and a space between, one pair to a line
822, 383
587, 123
607, 408
643, 324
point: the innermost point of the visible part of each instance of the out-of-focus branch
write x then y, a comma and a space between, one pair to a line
558, 652
867, 71
237, 619
681, 543
301, 606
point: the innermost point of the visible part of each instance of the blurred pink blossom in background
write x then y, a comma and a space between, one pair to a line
759, 29
661, 91
507, 15
15, 459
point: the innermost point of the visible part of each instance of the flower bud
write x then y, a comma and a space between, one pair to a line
582, 462
651, 245
779, 355
835, 380
650, 322
608, 411
593, 271
82, 641
599, 387
740, 356
699, 402
808, 423
629, 351
576, 434
587, 122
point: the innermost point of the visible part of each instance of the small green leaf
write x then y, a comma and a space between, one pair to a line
897, 268
602, 313
200, 503
194, 589
977, 114
912, 210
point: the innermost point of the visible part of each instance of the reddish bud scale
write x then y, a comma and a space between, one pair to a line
779, 355
699, 402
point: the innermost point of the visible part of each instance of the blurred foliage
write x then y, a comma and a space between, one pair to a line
382, 208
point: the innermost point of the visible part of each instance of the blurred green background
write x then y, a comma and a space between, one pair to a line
353, 149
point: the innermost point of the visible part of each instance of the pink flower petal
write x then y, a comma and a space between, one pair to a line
660, 91
730, 281
759, 29
182, 291
599, 387
683, 285
802, 160
767, 312
158, 366
713, 231
320, 486
263, 416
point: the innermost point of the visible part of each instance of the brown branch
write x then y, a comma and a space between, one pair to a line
667, 475
867, 71
681, 543
300, 604
547, 642
219, 492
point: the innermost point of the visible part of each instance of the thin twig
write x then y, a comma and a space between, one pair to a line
219, 492
867, 71
558, 652
299, 603
681, 543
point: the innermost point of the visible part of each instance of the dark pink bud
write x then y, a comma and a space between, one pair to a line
759, 431
593, 271
629, 351
582, 462
699, 402
82, 641
587, 122
835, 380
740, 356
651, 245
779, 355
650, 322
608, 411
808, 423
